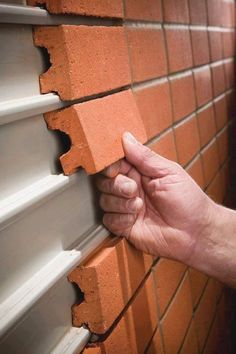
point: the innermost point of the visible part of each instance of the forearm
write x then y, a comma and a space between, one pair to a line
215, 251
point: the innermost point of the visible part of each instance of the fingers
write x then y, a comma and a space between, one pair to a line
119, 224
121, 185
112, 204
119, 167
145, 160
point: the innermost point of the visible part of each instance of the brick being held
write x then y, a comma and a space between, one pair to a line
108, 280
98, 8
84, 60
95, 129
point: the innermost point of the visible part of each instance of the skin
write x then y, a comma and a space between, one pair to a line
159, 208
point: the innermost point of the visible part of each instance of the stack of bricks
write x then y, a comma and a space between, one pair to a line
165, 71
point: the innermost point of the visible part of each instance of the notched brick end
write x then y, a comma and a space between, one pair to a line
95, 142
105, 294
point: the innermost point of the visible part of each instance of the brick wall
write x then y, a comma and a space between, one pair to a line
177, 57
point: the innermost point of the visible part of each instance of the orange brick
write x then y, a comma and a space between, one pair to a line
143, 10
216, 50
135, 329
179, 49
190, 342
99, 67
220, 106
155, 107
177, 319
200, 46
156, 346
198, 281
206, 123
215, 189
214, 12
202, 79
198, 13
196, 172
95, 142
183, 95
210, 161
205, 313
99, 278
176, 11
168, 275
187, 140
218, 79
228, 41
165, 146
229, 74
100, 8
147, 53
223, 148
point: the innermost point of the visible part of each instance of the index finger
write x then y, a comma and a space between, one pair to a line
119, 167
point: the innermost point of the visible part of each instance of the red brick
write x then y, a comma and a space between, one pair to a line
187, 140
202, 79
218, 79
231, 107
220, 106
135, 329
176, 11
183, 95
216, 50
176, 320
95, 143
206, 123
215, 189
229, 74
205, 313
198, 281
223, 149
210, 161
149, 10
155, 107
168, 275
99, 8
156, 346
147, 53
228, 13
214, 12
108, 280
165, 146
198, 12
99, 67
179, 49
200, 46
228, 41
196, 172
190, 342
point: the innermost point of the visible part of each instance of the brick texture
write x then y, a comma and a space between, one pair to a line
163, 70
95, 142
147, 53
94, 70
100, 8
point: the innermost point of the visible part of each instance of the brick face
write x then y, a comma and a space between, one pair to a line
183, 96
163, 70
147, 53
154, 104
179, 49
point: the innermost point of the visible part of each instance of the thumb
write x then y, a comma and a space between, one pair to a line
145, 160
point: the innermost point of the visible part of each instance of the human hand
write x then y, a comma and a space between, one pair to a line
154, 203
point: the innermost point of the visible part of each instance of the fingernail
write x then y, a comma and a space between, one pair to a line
130, 138
135, 204
128, 188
